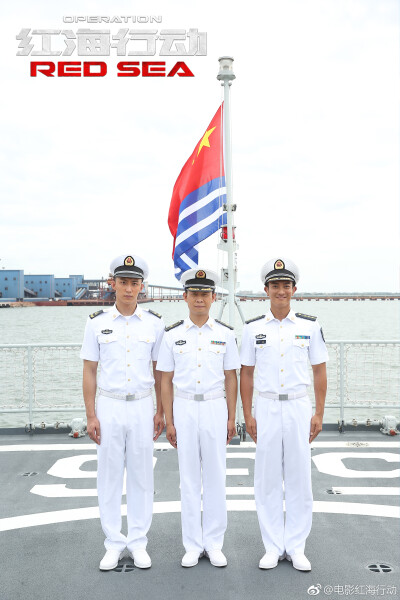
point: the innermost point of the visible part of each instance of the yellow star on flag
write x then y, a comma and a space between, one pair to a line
204, 141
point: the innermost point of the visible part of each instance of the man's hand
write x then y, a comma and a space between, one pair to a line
171, 435
316, 427
231, 431
93, 429
158, 426
251, 428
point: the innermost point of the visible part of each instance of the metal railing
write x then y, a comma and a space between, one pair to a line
44, 378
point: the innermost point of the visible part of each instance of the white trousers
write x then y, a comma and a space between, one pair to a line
126, 430
283, 454
201, 430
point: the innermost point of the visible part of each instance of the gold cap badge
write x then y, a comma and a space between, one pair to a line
129, 262
200, 275
279, 264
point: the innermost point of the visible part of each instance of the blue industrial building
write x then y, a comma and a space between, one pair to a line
42, 286
16, 286
65, 286
12, 284
70, 287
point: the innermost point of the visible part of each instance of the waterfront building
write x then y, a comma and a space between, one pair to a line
42, 286
12, 284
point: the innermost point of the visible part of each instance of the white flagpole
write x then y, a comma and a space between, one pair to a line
226, 76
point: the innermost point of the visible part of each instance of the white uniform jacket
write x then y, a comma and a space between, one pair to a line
125, 347
281, 350
198, 355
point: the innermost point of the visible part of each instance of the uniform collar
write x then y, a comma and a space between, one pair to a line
115, 313
188, 323
270, 317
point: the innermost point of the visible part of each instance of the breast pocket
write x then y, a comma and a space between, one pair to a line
182, 354
216, 349
263, 348
143, 346
215, 360
108, 346
300, 349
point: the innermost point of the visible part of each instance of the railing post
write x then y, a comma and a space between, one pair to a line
341, 359
30, 386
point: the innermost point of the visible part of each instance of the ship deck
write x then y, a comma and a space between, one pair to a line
52, 541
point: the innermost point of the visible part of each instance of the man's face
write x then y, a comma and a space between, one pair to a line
126, 289
280, 293
199, 303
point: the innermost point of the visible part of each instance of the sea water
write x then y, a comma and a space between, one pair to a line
350, 320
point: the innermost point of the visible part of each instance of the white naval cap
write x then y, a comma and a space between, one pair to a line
129, 265
280, 269
199, 279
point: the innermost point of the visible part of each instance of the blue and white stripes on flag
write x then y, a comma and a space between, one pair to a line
200, 216
196, 209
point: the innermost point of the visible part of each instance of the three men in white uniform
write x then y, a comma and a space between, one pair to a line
280, 344
199, 356
125, 339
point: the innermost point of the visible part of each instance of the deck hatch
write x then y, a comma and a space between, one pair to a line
124, 567
380, 568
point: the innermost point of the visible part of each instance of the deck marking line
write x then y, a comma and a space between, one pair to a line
166, 445
60, 490
367, 491
82, 514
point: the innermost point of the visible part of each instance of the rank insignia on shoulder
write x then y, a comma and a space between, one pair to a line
255, 319
96, 314
174, 325
180, 342
156, 314
222, 323
260, 336
106, 331
322, 334
308, 317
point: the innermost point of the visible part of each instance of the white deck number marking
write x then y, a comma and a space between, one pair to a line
331, 463
70, 468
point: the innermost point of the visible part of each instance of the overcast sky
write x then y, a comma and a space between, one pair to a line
88, 164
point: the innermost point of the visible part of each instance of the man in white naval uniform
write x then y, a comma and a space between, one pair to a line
280, 344
199, 357
125, 339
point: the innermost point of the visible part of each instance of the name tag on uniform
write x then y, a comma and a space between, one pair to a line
261, 341
302, 337
180, 342
106, 331
218, 342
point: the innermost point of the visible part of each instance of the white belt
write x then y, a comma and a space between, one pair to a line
282, 396
200, 397
136, 396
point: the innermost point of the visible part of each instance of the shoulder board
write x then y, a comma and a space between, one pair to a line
154, 313
224, 324
96, 314
174, 325
308, 317
255, 319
